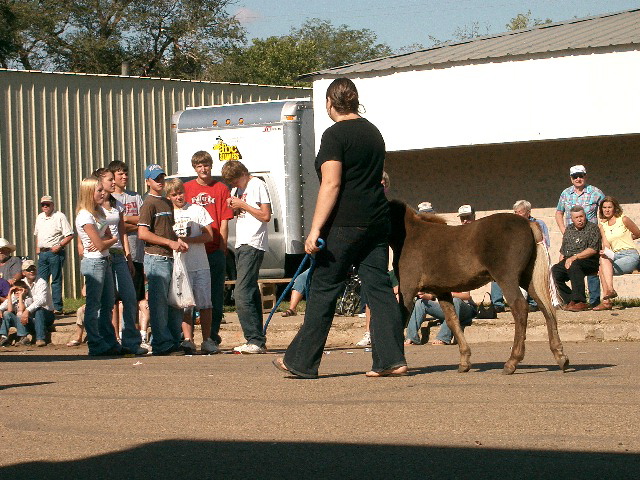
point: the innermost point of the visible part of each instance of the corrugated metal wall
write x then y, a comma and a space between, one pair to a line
56, 128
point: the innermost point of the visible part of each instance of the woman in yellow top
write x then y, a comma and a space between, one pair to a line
619, 254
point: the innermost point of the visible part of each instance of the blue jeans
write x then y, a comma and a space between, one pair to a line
10, 319
300, 283
465, 312
593, 284
217, 267
166, 321
50, 265
98, 279
498, 299
247, 294
367, 248
124, 284
625, 261
40, 321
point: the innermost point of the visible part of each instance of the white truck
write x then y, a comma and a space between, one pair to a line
275, 141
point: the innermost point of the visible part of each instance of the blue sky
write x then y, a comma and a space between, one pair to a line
404, 22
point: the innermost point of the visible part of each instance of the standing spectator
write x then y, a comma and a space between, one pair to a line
122, 267
95, 266
578, 257
619, 254
251, 204
132, 202
38, 316
522, 208
466, 214
10, 267
53, 233
193, 226
352, 215
212, 195
155, 228
588, 197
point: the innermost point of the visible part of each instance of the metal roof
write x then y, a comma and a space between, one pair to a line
603, 31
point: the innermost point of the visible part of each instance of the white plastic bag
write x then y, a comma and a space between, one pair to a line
180, 292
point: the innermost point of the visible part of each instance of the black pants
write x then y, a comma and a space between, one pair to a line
367, 248
579, 269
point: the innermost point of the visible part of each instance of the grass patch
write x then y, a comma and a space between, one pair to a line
71, 305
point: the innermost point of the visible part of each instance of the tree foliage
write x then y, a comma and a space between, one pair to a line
157, 37
316, 45
524, 20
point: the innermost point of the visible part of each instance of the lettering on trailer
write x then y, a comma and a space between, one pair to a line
227, 152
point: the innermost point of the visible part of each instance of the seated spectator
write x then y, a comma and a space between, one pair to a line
4, 289
10, 267
578, 258
522, 208
12, 309
38, 316
427, 304
619, 254
298, 292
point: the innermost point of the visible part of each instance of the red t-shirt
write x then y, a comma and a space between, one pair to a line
214, 199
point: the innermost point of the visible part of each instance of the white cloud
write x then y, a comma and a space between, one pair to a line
246, 15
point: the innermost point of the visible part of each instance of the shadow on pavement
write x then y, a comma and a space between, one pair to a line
18, 385
261, 460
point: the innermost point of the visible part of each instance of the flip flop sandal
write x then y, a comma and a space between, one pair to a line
289, 313
73, 343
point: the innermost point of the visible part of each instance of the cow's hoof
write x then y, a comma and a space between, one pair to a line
508, 369
563, 362
463, 368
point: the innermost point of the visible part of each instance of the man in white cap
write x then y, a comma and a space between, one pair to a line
10, 267
38, 316
53, 233
588, 197
467, 214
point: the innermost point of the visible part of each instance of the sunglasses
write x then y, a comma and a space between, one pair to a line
46, 204
577, 175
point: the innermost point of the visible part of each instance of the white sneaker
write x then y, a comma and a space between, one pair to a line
365, 341
249, 348
189, 347
209, 347
362, 315
146, 346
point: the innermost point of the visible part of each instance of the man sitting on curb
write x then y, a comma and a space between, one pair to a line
581, 245
38, 316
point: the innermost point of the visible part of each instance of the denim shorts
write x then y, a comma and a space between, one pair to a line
201, 287
625, 261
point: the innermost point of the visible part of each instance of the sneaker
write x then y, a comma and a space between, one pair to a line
40, 343
365, 341
209, 347
139, 351
146, 346
249, 348
4, 341
189, 347
173, 352
24, 341
362, 315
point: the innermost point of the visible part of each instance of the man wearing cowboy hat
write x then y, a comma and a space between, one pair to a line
10, 267
53, 233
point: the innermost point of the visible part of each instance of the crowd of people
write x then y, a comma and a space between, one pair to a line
129, 246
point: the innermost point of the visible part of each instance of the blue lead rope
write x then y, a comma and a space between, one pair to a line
312, 259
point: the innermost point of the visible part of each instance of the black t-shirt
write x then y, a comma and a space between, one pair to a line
359, 145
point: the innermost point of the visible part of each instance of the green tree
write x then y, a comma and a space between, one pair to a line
177, 38
524, 20
279, 60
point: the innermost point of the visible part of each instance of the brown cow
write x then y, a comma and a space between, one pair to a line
436, 258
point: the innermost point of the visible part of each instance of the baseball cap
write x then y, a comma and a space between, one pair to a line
153, 171
466, 210
577, 169
46, 199
27, 264
425, 207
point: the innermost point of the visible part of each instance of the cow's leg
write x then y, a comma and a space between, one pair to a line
408, 289
520, 312
453, 322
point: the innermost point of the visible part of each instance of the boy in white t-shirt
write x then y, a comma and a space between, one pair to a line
193, 226
252, 206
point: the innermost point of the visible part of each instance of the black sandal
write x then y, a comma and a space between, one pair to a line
289, 313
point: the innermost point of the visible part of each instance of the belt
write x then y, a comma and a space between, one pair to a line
46, 249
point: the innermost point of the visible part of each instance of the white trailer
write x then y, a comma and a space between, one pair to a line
275, 141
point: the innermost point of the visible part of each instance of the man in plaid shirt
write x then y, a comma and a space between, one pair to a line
588, 197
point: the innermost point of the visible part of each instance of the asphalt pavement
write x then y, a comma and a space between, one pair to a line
235, 416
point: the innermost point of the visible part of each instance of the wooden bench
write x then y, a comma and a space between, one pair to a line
268, 289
